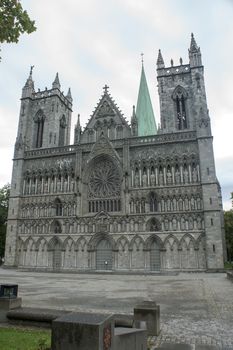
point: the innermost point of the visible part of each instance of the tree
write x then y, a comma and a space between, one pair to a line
228, 222
14, 21
4, 200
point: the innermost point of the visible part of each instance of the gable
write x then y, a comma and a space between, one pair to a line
106, 118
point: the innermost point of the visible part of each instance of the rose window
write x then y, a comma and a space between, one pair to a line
104, 180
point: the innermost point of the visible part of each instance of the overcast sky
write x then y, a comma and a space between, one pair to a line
96, 42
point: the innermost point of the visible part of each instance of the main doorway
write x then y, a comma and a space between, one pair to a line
104, 255
57, 257
155, 257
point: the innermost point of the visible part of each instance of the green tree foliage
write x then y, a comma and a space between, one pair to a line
228, 221
14, 21
4, 200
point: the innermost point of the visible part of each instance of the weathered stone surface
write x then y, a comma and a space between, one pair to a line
83, 331
230, 275
7, 304
172, 346
149, 312
206, 347
130, 339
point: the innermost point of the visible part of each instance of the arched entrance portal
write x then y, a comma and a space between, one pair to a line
57, 256
104, 255
155, 257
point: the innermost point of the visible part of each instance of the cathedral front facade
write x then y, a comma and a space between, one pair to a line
124, 196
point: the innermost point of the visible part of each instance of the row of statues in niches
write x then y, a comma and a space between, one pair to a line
167, 175
48, 184
165, 204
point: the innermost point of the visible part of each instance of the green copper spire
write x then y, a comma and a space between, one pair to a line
144, 110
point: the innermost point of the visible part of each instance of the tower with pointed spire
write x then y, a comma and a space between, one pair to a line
122, 196
146, 124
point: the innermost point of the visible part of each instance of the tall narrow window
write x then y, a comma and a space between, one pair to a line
62, 128
39, 129
58, 207
153, 202
179, 97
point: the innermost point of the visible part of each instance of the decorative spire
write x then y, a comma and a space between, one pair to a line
28, 88
134, 123
144, 111
56, 83
193, 45
194, 53
78, 121
69, 96
133, 118
77, 131
160, 61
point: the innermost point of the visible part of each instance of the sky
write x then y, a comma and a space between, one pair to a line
96, 42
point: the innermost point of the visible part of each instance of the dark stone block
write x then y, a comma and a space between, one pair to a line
7, 304
83, 331
149, 312
130, 339
123, 320
8, 291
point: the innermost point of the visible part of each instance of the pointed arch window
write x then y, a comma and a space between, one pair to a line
153, 202
180, 96
39, 129
58, 207
62, 128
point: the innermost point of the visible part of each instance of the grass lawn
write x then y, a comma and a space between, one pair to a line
24, 339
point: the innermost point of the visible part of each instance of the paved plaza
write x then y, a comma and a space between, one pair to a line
196, 308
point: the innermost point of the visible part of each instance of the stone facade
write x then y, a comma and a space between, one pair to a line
114, 200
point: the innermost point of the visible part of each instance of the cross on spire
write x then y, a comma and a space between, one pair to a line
31, 69
106, 87
142, 57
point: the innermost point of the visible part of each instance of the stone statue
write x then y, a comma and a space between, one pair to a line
169, 177
186, 175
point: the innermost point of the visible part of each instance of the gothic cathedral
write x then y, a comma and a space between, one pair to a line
122, 197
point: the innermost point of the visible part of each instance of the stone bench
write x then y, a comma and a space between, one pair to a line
34, 316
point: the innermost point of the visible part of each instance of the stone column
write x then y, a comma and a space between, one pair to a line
181, 175
24, 186
30, 184
156, 176
190, 174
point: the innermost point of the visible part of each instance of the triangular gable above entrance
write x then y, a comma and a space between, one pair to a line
106, 117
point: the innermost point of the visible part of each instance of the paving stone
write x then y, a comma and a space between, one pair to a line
171, 346
196, 308
206, 347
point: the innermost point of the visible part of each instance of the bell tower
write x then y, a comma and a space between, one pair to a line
181, 91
